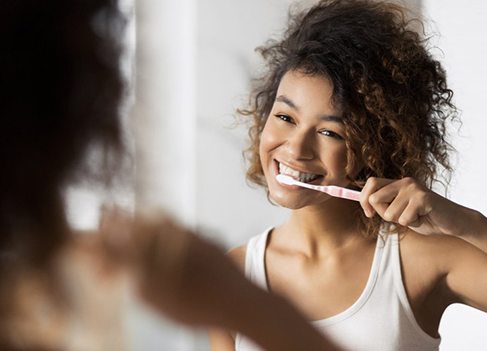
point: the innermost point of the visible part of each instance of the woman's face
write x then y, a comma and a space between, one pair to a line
303, 138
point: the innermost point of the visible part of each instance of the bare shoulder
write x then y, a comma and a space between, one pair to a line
410, 240
436, 251
461, 267
237, 255
424, 265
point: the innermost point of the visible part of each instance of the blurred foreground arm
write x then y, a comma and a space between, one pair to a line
192, 281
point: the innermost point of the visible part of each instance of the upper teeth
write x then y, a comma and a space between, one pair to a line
301, 176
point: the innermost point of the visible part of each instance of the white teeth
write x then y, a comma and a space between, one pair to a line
301, 176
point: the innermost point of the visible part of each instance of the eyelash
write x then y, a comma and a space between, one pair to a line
326, 132
285, 118
331, 134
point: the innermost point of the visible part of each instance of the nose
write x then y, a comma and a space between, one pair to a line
300, 145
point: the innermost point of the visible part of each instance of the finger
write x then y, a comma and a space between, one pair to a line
368, 189
383, 197
411, 216
380, 208
371, 186
387, 193
395, 208
416, 214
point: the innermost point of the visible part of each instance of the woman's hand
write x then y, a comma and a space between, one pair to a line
410, 204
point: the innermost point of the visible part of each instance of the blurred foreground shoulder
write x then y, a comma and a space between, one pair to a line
237, 255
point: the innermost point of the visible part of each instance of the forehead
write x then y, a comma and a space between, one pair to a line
312, 92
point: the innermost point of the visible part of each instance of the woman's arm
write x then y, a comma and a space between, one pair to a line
466, 272
223, 339
461, 264
194, 282
460, 268
208, 289
410, 204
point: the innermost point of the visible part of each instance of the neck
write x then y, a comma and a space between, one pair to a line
331, 226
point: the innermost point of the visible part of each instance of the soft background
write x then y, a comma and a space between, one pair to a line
195, 59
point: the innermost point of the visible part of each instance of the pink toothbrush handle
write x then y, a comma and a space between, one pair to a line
344, 193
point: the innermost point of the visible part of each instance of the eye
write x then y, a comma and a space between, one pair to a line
284, 118
330, 133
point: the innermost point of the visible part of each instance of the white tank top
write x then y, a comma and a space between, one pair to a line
380, 320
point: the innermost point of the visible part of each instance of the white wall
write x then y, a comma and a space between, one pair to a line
463, 40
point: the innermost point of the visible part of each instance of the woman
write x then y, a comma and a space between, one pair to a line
352, 97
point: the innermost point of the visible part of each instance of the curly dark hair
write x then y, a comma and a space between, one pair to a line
60, 93
393, 93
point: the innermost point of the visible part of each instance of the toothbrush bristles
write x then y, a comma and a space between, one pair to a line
282, 178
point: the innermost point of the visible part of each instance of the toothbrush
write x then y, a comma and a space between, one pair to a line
332, 190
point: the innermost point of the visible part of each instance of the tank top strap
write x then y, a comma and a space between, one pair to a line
255, 258
387, 246
401, 292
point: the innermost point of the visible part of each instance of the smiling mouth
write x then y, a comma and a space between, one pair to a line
298, 175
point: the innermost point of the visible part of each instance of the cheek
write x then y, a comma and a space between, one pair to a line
337, 161
268, 140
342, 160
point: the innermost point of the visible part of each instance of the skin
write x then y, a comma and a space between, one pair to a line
319, 251
407, 202
193, 282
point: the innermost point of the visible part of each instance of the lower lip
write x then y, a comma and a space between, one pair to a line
289, 186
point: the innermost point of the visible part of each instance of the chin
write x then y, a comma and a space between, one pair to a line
287, 204
297, 201
287, 201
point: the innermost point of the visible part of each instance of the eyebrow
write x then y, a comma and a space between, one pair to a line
291, 104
